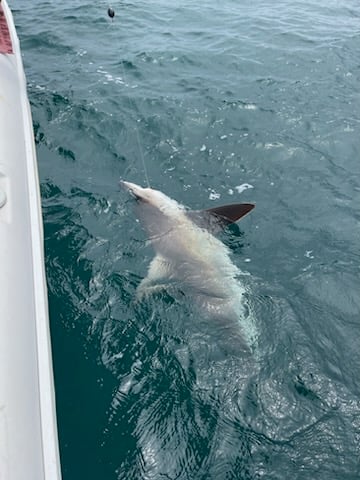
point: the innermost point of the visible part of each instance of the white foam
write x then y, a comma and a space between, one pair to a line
267, 146
250, 106
214, 195
243, 187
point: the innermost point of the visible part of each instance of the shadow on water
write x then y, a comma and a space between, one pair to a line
78, 375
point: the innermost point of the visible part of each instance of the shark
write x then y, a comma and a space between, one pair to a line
189, 258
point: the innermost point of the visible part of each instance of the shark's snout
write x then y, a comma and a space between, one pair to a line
127, 185
137, 191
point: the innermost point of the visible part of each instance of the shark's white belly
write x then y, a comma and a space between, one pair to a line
197, 260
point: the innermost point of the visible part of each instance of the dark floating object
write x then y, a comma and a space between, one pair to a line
111, 12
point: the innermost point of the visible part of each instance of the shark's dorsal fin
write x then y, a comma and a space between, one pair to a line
217, 218
231, 213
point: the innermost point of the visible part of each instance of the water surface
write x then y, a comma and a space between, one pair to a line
226, 102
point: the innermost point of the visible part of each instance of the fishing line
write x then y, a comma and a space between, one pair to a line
132, 103
137, 134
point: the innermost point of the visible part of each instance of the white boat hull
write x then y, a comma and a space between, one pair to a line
28, 432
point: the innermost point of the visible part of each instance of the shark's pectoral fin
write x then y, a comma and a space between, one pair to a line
215, 219
156, 278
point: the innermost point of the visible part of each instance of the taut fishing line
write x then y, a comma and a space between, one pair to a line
132, 102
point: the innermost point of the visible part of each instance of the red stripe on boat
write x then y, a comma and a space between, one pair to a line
5, 39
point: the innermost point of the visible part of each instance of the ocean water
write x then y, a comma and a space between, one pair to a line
223, 102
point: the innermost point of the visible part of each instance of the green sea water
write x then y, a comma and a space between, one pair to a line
224, 102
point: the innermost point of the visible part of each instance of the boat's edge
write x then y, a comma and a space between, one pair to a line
50, 448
